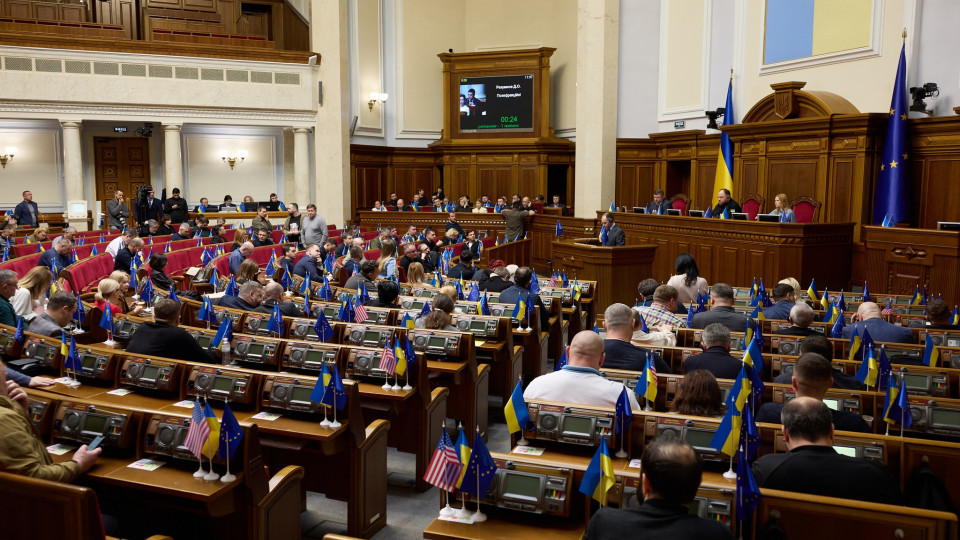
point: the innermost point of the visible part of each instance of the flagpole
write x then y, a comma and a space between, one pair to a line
406, 373
227, 477
386, 379
334, 424
730, 474
623, 434
478, 516
210, 476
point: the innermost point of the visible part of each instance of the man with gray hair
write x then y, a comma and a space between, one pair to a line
70, 233
152, 227
801, 315
114, 246
620, 353
248, 299
716, 357
57, 257
183, 232
237, 257
721, 298
58, 314
125, 256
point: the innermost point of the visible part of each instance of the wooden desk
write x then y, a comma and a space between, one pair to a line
236, 218
897, 259
501, 525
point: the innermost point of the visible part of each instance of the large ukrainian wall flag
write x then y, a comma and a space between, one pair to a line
795, 29
724, 178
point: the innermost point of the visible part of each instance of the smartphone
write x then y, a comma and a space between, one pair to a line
95, 443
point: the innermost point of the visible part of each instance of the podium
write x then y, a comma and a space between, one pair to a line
617, 270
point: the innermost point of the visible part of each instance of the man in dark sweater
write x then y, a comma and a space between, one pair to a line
126, 254
812, 377
721, 298
163, 338
813, 466
818, 343
716, 357
670, 473
273, 296
620, 353
249, 298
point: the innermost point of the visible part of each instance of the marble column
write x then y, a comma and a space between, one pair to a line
331, 142
301, 168
73, 170
172, 160
598, 35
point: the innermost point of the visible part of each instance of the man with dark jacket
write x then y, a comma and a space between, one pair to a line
126, 254
26, 213
176, 208
497, 281
248, 299
716, 357
464, 269
784, 302
670, 474
163, 338
521, 290
615, 235
725, 203
273, 296
620, 353
801, 315
721, 297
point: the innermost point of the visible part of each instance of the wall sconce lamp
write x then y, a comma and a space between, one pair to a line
232, 160
376, 97
8, 155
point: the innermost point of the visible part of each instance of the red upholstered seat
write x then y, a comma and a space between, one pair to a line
681, 202
805, 209
457, 248
371, 254
753, 205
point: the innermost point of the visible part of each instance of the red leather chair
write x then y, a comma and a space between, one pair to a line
805, 209
680, 202
753, 205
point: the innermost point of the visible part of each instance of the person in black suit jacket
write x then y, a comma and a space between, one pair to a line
801, 315
273, 296
125, 255
615, 236
660, 204
464, 269
557, 204
724, 202
163, 338
521, 290
248, 299
26, 213
498, 281
818, 343
716, 357
721, 297
472, 244
670, 473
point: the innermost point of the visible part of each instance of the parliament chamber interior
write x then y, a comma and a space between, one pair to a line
408, 269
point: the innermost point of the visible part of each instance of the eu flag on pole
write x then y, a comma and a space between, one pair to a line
724, 177
892, 197
106, 320
230, 434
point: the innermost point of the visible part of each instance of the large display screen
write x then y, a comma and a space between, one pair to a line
498, 103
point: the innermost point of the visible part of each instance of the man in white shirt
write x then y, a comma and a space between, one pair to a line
580, 380
114, 246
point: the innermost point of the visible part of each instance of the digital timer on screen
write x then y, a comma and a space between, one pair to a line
498, 103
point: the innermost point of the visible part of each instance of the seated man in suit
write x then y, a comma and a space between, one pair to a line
721, 311
801, 316
660, 204
812, 465
464, 269
868, 317
237, 257
620, 353
521, 290
716, 357
273, 296
725, 203
783, 301
126, 254
497, 281
937, 317
58, 256
183, 232
615, 236
818, 343
812, 377
580, 381
248, 299
58, 314
670, 475
162, 337
555, 203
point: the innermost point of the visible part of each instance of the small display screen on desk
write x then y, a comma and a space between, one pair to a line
945, 417
94, 423
150, 372
848, 451
223, 384
256, 349
521, 486
478, 325
699, 438
577, 425
315, 356
436, 342
89, 361
204, 341
371, 335
301, 393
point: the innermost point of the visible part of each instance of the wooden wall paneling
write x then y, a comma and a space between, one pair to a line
626, 189
542, 231
841, 194
21, 9
175, 4
46, 11
637, 172
229, 11
72, 12
899, 259
200, 5
937, 191
296, 31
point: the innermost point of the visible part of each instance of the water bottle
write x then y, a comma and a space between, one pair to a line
225, 353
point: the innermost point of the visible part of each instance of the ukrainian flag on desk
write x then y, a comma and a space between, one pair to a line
463, 450
891, 201
599, 478
520, 310
724, 178
212, 444
516, 410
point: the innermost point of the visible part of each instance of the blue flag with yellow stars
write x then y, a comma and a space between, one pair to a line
480, 470
230, 434
891, 200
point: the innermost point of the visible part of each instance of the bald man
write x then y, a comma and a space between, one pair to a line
580, 380
868, 316
273, 296
238, 256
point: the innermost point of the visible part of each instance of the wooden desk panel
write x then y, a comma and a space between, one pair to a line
898, 259
736, 252
504, 525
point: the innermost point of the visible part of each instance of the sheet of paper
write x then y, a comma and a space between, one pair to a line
528, 450
634, 464
146, 464
263, 415
186, 404
60, 449
465, 520
120, 391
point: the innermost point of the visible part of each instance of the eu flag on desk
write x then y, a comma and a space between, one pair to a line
748, 493
724, 176
275, 324
561, 362
474, 295
559, 229
270, 270
335, 394
891, 200
206, 311
230, 434
146, 294
72, 361
604, 235
624, 414
322, 327
106, 320
232, 289
18, 334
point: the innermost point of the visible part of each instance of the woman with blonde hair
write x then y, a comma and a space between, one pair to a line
38, 236
387, 263
249, 270
238, 239
449, 290
249, 205
796, 287
27, 300
782, 209
108, 291
123, 279
415, 275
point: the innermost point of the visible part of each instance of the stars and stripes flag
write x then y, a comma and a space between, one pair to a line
388, 362
198, 431
359, 312
445, 466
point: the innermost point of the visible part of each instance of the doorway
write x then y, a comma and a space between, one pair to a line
121, 163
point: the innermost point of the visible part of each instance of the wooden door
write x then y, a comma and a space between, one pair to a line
121, 163
120, 12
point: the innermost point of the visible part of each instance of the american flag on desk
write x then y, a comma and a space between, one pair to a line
888, 309
445, 466
388, 362
359, 312
198, 431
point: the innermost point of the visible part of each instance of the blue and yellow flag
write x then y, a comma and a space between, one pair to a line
917, 299
516, 410
724, 177
892, 198
520, 310
869, 369
727, 437
463, 450
212, 444
931, 354
891, 409
812, 292
599, 477
741, 389
647, 382
753, 357
480, 470
955, 319
855, 343
400, 355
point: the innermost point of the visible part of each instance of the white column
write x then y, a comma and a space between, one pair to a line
73, 169
331, 142
301, 168
172, 162
598, 35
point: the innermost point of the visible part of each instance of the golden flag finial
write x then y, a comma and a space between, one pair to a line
904, 34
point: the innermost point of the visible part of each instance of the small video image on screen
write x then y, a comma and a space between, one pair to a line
496, 104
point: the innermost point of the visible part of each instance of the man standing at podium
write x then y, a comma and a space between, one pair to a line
725, 203
615, 236
660, 204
